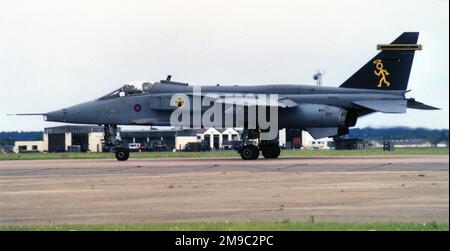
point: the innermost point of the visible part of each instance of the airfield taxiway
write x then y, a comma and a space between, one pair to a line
344, 189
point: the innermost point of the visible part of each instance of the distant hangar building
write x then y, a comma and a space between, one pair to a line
80, 138
65, 138
178, 139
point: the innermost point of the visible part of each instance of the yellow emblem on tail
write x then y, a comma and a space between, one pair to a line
382, 73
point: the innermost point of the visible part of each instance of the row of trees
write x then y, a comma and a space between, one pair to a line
434, 136
8, 138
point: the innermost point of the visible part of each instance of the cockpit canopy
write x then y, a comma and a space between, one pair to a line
128, 90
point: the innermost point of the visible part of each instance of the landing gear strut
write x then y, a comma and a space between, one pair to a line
249, 151
110, 134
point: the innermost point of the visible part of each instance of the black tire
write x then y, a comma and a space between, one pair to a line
271, 151
249, 152
122, 154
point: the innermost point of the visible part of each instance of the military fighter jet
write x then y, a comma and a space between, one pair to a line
379, 86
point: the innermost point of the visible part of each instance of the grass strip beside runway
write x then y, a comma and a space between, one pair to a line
285, 225
222, 154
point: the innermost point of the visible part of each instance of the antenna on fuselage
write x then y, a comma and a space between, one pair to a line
318, 77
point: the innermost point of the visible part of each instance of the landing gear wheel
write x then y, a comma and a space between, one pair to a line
249, 152
122, 154
270, 151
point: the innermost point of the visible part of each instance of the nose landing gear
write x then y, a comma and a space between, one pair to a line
110, 135
122, 153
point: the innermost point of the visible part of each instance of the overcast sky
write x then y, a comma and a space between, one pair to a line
58, 53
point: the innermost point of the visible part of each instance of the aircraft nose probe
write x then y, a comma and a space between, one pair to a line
30, 114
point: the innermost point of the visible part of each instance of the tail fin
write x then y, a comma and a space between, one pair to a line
390, 69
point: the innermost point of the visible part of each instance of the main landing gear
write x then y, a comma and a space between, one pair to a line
249, 151
110, 134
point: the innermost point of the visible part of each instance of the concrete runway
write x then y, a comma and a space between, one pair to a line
344, 189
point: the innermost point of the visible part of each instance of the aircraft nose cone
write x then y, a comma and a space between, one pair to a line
57, 116
82, 113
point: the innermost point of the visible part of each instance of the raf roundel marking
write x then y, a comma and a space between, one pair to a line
137, 107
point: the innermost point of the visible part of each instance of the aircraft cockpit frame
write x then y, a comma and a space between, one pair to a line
128, 90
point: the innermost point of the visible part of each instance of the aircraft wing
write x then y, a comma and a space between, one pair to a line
413, 104
287, 103
281, 102
384, 105
322, 132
